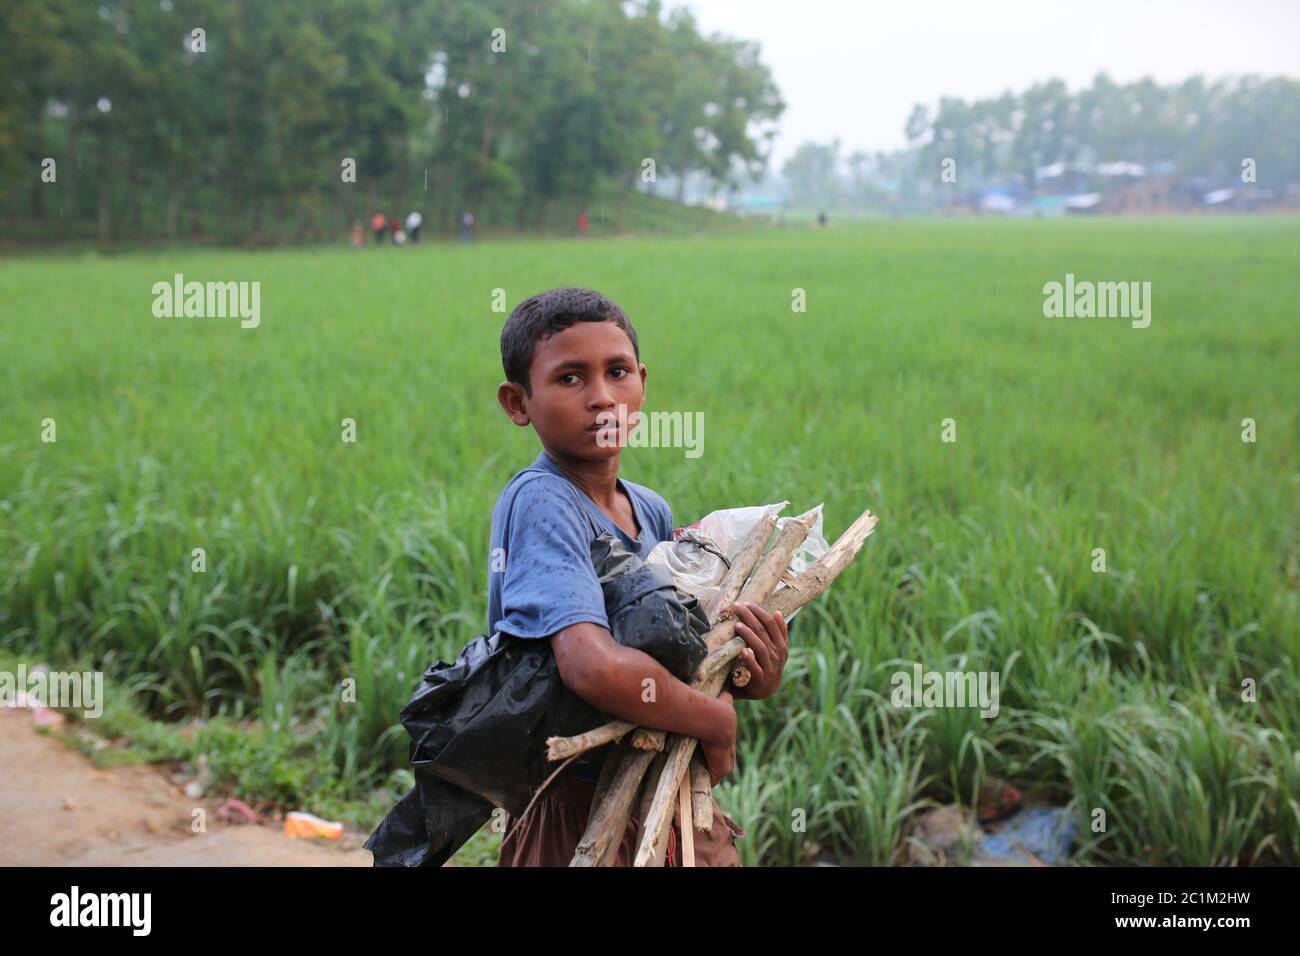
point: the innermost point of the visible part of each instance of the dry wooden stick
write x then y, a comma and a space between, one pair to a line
647, 791
720, 657
701, 793
756, 590
610, 818
686, 818
775, 563
741, 565
799, 590
618, 827
608, 771
660, 813
770, 573
558, 748
607, 823
817, 578
804, 588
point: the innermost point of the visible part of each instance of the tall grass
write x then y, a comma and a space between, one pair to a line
337, 572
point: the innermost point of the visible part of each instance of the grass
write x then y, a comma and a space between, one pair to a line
332, 563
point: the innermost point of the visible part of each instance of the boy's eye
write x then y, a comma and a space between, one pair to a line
625, 372
567, 375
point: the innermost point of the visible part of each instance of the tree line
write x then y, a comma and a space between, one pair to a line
242, 119
1200, 128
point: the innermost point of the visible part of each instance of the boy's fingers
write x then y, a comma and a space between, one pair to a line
755, 669
746, 613
771, 626
713, 774
771, 636
762, 614
756, 638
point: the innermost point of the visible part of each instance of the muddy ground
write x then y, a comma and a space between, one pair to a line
58, 809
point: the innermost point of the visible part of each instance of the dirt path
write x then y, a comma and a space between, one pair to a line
58, 809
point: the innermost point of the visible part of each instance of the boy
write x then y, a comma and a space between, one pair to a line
571, 357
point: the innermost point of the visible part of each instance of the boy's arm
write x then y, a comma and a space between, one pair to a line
611, 677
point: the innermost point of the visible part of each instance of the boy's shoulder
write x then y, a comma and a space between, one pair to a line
536, 483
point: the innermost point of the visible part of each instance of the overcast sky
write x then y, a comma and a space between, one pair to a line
854, 68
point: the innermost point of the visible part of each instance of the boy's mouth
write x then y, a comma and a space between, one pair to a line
605, 431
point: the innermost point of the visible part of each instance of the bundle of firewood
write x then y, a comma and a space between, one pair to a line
664, 769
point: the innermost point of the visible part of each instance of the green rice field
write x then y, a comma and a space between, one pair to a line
1163, 692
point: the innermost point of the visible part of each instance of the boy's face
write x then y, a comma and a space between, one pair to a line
579, 376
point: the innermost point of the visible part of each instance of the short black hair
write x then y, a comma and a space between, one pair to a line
542, 315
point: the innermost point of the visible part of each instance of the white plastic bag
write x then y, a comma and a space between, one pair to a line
695, 555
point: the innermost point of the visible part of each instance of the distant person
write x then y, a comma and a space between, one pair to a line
394, 225
358, 234
821, 219
583, 222
466, 226
378, 222
413, 221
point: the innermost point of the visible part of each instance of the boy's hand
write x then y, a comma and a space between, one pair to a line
768, 638
720, 751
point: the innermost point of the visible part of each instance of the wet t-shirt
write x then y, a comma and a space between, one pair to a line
540, 576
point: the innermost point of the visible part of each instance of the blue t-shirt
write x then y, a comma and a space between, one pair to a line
540, 575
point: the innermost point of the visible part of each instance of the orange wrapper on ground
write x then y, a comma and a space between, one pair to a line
299, 824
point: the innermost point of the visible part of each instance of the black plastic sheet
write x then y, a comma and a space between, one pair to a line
478, 725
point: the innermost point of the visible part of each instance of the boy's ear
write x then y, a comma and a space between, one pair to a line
511, 397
